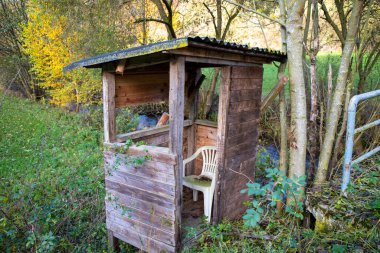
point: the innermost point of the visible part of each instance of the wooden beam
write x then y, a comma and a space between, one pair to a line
213, 54
219, 62
145, 64
176, 115
109, 107
121, 66
113, 242
274, 93
147, 132
224, 101
204, 122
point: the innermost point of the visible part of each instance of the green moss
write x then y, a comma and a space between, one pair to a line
194, 180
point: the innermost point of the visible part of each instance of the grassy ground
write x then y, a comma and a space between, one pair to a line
51, 187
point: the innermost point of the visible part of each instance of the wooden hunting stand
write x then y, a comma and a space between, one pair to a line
144, 202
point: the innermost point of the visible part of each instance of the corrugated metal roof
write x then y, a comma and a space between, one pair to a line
172, 45
241, 47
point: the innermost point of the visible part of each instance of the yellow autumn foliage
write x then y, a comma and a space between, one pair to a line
47, 43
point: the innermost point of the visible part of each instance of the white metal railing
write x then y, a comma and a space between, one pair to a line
351, 131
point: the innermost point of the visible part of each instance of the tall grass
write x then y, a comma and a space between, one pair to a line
51, 187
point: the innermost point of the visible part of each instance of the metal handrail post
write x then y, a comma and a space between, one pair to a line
350, 136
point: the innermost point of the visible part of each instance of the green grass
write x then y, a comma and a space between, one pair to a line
51, 187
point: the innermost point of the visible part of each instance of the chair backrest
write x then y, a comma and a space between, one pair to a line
210, 161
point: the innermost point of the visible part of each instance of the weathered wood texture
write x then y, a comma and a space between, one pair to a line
176, 116
205, 136
240, 96
109, 106
157, 136
134, 89
225, 57
140, 207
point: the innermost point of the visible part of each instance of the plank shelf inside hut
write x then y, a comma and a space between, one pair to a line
145, 203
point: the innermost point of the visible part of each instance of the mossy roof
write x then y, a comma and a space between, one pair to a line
98, 61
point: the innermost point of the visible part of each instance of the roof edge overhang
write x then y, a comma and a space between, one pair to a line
128, 53
172, 46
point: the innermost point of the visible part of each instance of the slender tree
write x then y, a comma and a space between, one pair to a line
337, 100
313, 133
283, 163
298, 119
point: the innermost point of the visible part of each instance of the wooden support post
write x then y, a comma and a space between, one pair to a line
109, 107
193, 111
176, 117
113, 242
224, 101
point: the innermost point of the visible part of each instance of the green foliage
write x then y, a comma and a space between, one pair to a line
360, 208
272, 192
52, 181
48, 47
279, 233
323, 61
126, 120
127, 159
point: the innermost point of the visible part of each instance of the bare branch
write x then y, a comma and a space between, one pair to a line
212, 15
229, 21
158, 21
331, 22
256, 12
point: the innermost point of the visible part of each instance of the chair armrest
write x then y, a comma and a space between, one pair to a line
187, 160
195, 155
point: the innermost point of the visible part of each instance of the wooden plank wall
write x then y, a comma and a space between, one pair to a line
135, 89
140, 207
162, 139
237, 141
206, 135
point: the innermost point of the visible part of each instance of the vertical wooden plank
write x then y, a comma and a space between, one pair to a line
239, 151
193, 111
224, 101
113, 242
176, 117
109, 107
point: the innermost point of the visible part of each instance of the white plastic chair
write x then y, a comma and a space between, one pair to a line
209, 169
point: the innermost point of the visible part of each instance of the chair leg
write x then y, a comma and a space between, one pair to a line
195, 195
207, 206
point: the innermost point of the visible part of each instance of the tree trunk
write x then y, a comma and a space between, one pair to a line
337, 147
313, 133
167, 18
298, 138
219, 19
337, 100
283, 163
